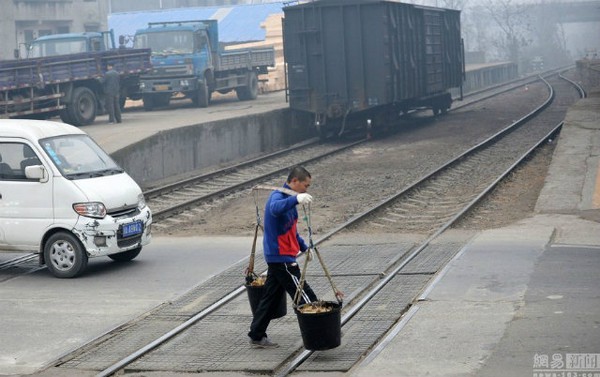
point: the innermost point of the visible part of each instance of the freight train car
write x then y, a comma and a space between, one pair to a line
358, 62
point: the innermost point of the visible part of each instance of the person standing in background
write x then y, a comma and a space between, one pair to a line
112, 93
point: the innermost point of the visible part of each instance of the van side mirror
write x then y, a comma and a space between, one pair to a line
36, 172
16, 53
121, 40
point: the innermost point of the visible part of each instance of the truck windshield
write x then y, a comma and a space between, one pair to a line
166, 42
79, 157
52, 47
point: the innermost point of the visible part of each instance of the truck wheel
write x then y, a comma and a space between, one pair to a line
65, 117
202, 97
126, 256
249, 92
82, 109
65, 255
122, 100
148, 102
162, 100
322, 132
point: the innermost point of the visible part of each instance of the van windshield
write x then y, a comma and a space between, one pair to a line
79, 157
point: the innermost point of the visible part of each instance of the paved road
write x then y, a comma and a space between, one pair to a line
42, 317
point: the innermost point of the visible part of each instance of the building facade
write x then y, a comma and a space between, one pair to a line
24, 20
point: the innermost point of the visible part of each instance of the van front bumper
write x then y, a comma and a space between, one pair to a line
107, 236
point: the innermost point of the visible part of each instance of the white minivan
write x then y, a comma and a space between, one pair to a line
63, 197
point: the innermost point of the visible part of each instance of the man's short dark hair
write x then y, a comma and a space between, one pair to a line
298, 172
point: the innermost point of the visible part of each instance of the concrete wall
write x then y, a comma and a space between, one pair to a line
182, 150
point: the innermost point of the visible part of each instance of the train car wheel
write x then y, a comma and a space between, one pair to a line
321, 132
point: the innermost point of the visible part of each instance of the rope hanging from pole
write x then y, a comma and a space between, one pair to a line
250, 274
311, 247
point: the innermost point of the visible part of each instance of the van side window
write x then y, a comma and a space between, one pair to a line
14, 157
29, 158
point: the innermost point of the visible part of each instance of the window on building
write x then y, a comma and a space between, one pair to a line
91, 27
28, 35
62, 29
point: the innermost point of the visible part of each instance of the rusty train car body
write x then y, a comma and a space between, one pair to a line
354, 62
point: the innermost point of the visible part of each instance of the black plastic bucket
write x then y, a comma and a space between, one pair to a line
321, 331
255, 293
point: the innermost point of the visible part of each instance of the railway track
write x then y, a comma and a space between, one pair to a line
174, 203
382, 275
169, 201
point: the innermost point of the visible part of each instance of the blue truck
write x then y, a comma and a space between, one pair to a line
187, 59
59, 77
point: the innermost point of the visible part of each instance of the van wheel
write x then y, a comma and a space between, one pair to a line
65, 255
126, 256
82, 109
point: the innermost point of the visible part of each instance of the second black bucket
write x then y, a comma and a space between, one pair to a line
255, 293
321, 331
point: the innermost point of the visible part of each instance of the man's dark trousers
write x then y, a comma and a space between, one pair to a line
114, 108
280, 276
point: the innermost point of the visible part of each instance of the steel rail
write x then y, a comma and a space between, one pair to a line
580, 89
156, 192
297, 361
18, 260
446, 165
390, 275
174, 186
167, 212
170, 211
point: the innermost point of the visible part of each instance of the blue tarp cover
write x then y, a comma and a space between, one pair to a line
240, 23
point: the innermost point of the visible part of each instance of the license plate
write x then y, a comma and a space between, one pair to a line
132, 229
159, 88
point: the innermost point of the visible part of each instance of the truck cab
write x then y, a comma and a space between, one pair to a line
181, 59
187, 59
71, 43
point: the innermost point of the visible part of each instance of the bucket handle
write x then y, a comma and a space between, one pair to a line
250, 274
338, 294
